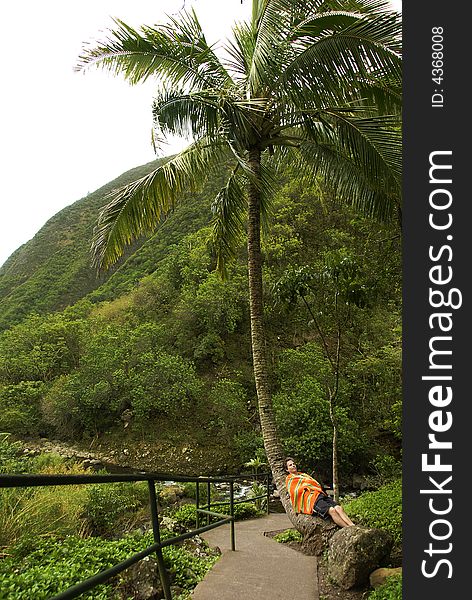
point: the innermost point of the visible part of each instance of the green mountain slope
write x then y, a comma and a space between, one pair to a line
53, 270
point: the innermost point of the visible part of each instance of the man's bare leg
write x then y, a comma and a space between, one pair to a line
340, 517
343, 515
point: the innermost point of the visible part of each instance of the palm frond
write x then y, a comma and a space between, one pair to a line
209, 112
229, 209
360, 50
196, 114
343, 175
176, 52
383, 93
138, 207
240, 50
300, 83
269, 27
374, 142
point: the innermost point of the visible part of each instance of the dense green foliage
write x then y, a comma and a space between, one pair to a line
55, 564
157, 353
186, 515
11, 458
390, 590
172, 357
47, 531
25, 513
302, 410
380, 509
108, 506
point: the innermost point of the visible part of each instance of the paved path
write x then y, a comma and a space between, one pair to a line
260, 568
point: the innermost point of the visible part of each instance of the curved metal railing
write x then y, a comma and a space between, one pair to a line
151, 478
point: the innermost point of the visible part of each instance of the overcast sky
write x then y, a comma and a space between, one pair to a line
64, 134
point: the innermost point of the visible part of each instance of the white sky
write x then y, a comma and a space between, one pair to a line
64, 134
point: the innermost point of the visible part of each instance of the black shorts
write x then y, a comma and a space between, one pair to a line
322, 506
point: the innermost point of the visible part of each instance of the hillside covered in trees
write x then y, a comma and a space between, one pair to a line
154, 357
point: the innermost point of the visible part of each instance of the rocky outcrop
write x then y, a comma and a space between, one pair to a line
354, 552
45, 446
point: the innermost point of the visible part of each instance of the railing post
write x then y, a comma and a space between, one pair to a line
268, 492
231, 510
208, 500
157, 539
197, 501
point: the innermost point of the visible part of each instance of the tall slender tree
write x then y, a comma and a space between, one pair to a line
311, 82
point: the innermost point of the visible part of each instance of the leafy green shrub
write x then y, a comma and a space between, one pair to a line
257, 490
186, 514
244, 510
120, 367
247, 444
108, 505
49, 462
162, 383
39, 349
302, 409
376, 383
20, 408
228, 400
390, 590
75, 404
380, 509
209, 347
12, 459
187, 568
189, 488
386, 469
289, 535
302, 414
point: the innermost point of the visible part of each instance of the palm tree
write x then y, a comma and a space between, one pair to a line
314, 83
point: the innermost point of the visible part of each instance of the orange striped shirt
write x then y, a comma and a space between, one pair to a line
303, 491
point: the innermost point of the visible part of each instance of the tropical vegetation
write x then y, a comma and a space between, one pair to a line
291, 181
167, 364
313, 84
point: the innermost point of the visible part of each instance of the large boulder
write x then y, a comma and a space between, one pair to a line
354, 552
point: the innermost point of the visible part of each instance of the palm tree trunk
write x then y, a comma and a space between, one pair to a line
272, 443
275, 455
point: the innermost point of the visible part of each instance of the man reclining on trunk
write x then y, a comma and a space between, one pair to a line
307, 497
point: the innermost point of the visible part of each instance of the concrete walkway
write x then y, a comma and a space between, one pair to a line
260, 568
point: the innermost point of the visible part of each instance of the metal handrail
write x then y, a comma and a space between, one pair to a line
25, 480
